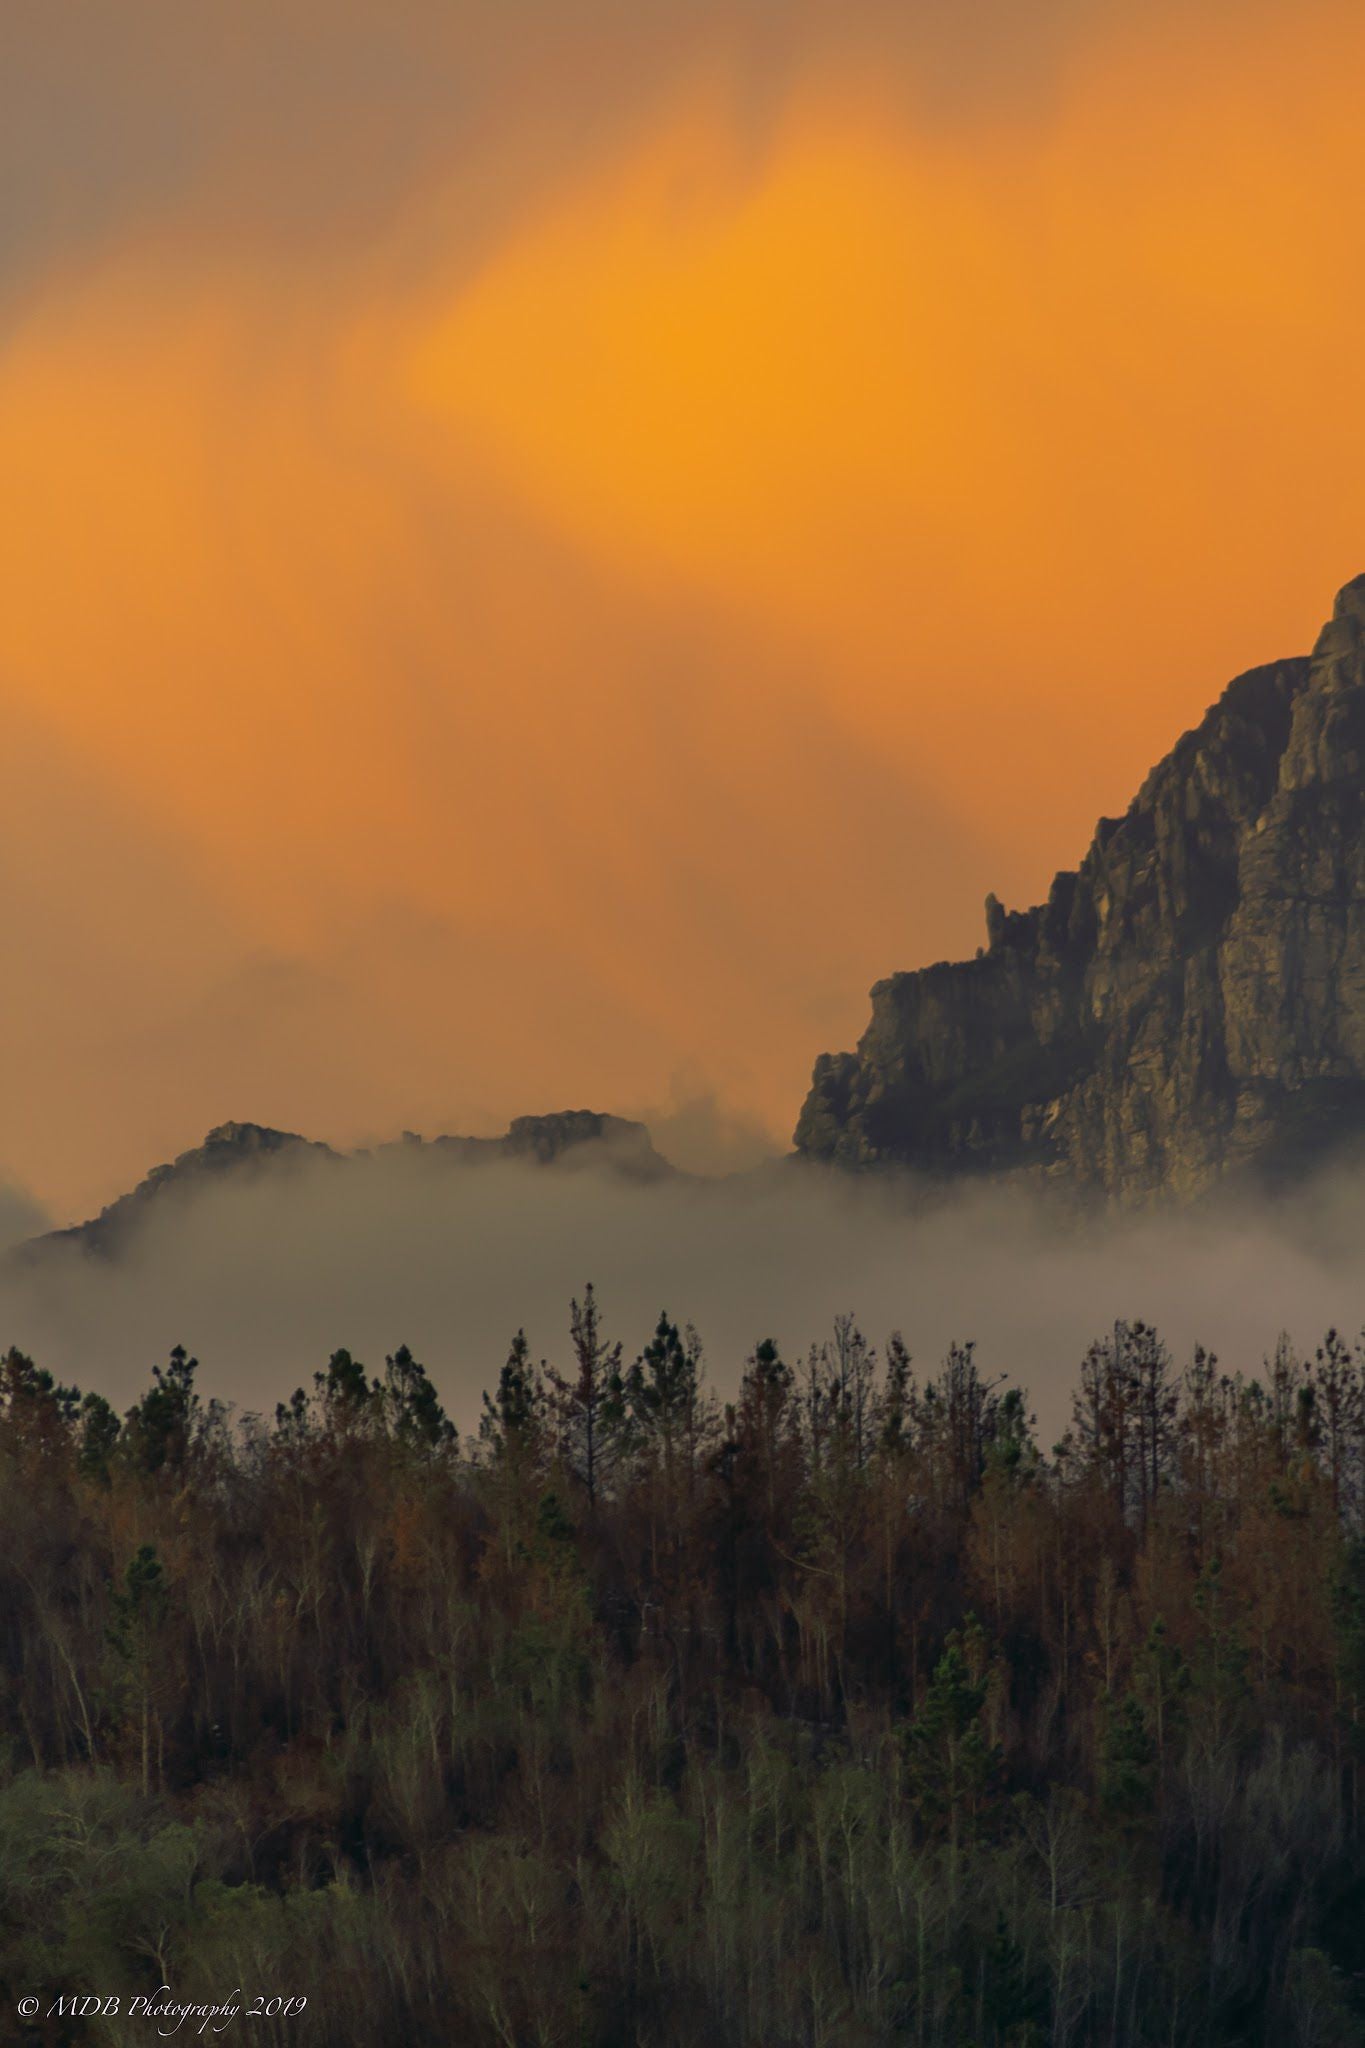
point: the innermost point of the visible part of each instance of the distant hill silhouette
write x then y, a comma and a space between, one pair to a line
563, 1140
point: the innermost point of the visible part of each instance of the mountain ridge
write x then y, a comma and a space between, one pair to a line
560, 1139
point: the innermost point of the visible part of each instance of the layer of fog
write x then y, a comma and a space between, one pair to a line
263, 1279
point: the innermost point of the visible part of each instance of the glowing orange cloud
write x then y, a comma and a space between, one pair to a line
570, 659
1001, 418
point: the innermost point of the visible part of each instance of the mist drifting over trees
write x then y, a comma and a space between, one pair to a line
262, 1276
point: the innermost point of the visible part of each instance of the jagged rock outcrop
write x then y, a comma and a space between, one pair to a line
573, 1137
1189, 1004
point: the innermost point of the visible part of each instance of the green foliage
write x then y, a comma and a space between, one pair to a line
1014, 2000
1161, 1684
140, 1603
661, 1393
414, 1413
1318, 2008
514, 1416
100, 1427
1219, 1687
161, 1428
950, 1763
1128, 1760
344, 1388
96, 1884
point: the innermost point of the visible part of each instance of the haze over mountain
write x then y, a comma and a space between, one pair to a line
638, 517
248, 1152
1189, 1004
1186, 1011
264, 1270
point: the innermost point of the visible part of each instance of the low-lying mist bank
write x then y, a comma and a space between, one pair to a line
263, 1276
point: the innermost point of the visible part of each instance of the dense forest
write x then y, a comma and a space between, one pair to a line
844, 1712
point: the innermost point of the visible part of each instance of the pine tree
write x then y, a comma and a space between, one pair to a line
589, 1406
162, 1428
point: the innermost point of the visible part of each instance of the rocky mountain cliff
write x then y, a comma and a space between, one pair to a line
1188, 1004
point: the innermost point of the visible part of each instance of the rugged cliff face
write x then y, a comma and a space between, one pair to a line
1190, 1003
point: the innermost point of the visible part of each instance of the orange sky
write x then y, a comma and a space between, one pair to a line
533, 568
